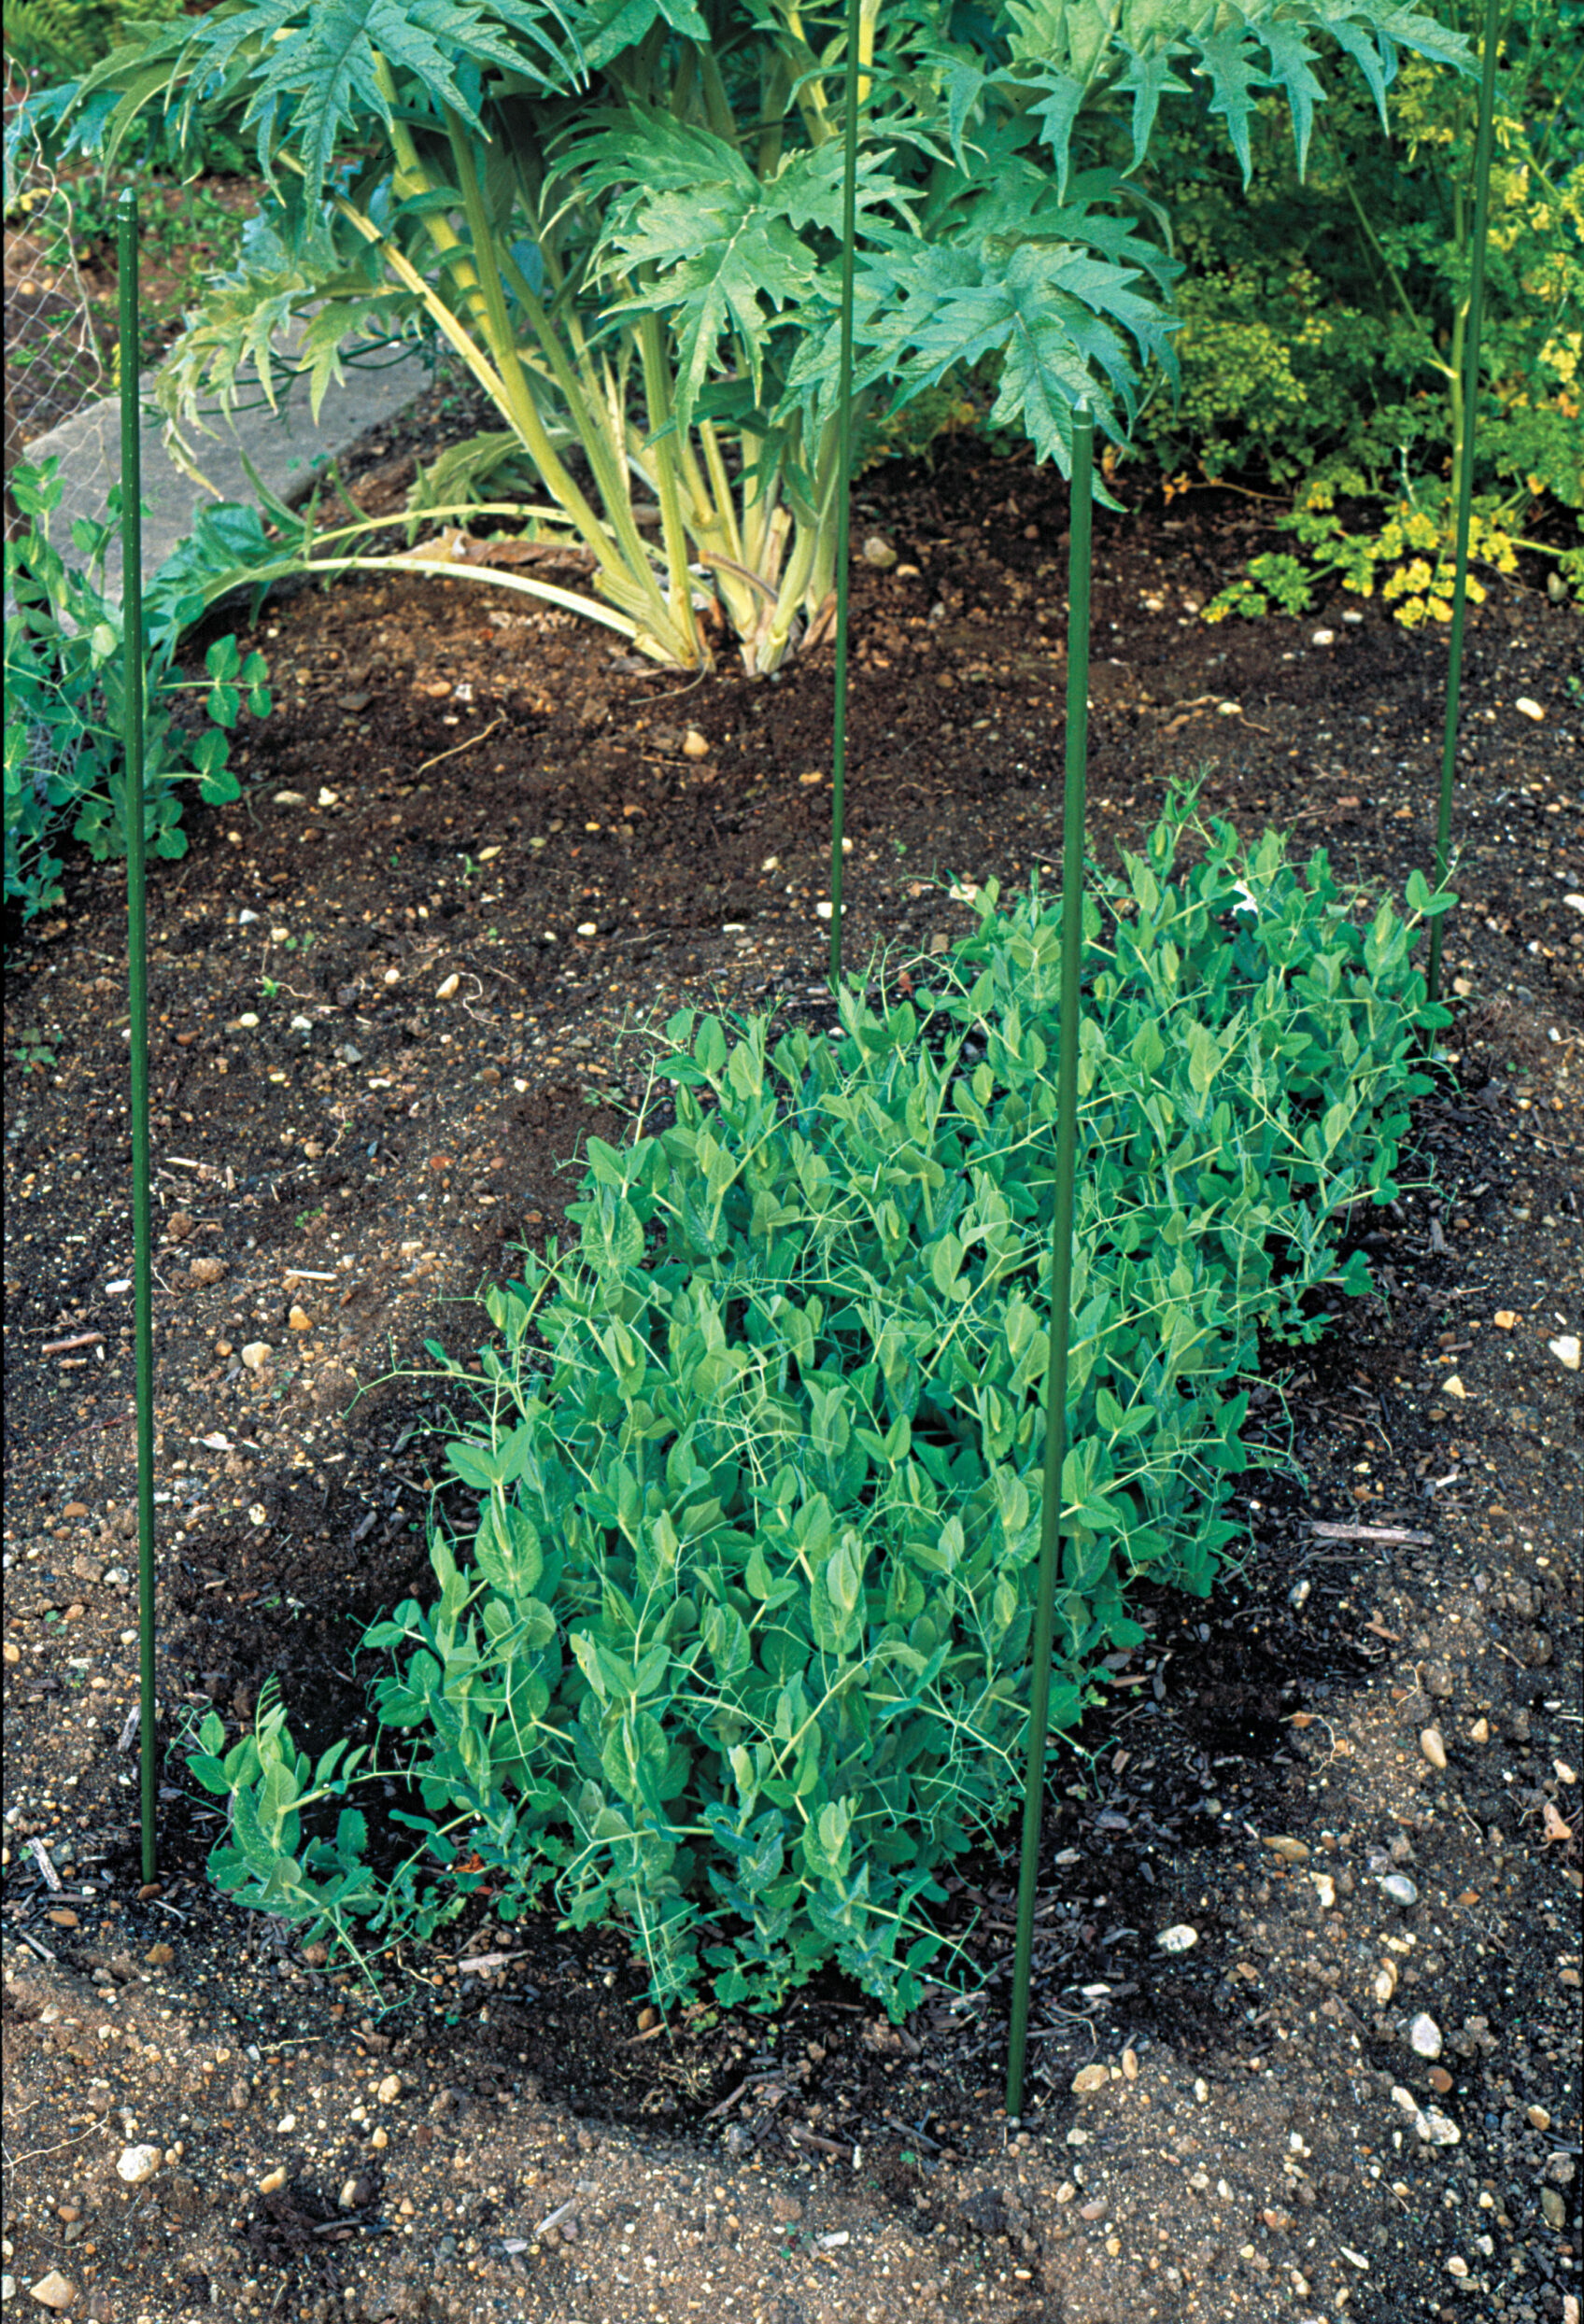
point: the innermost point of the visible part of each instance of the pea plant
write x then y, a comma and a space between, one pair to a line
626, 221
734, 1652
66, 708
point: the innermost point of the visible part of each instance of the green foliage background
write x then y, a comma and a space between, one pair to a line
64, 38
1324, 317
627, 220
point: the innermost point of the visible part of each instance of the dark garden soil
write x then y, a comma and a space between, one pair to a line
387, 994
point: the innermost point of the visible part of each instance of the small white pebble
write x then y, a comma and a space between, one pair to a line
1324, 637
1425, 2036
1529, 707
451, 986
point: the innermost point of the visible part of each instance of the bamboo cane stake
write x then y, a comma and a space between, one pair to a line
1061, 1235
844, 471
138, 994
1466, 473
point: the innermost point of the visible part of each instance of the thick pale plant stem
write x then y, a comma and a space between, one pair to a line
721, 487
589, 404
869, 17
626, 578
717, 106
775, 637
776, 90
583, 402
811, 96
759, 503
626, 575
612, 483
545, 457
657, 391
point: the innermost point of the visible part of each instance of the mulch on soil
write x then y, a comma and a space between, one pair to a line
392, 991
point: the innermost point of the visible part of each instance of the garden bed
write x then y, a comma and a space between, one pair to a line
469, 852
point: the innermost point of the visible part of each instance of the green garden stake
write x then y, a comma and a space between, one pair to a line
1466, 473
137, 985
844, 475
1061, 1233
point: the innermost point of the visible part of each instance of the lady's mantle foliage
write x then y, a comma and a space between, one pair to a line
737, 1655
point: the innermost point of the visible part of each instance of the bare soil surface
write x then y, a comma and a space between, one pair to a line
391, 993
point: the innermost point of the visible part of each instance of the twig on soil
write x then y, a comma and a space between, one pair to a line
79, 1339
489, 1961
727, 2103
489, 970
468, 745
35, 2154
801, 2137
42, 1951
40, 1855
1328, 1532
468, 1005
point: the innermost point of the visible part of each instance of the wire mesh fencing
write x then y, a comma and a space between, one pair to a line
56, 358
59, 356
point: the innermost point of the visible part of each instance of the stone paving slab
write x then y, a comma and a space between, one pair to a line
286, 448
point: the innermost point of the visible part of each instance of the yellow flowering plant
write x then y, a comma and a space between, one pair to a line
1323, 344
